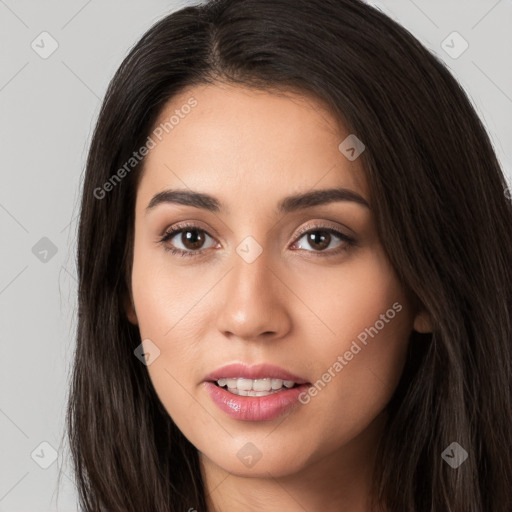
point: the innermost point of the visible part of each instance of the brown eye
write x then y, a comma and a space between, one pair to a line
191, 238
321, 238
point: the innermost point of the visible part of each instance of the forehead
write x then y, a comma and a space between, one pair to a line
247, 143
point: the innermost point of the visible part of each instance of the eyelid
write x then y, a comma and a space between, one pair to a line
191, 224
317, 224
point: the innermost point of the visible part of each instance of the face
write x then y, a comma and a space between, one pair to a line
293, 292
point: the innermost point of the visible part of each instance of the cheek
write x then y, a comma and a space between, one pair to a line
163, 292
351, 298
362, 356
169, 312
159, 311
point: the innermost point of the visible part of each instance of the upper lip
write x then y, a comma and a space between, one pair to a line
257, 371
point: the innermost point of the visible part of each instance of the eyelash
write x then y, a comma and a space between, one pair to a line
349, 241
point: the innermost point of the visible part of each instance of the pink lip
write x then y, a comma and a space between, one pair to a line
257, 371
254, 408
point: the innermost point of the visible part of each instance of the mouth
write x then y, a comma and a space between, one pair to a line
255, 393
254, 387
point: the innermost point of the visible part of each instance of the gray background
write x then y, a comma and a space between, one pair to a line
48, 110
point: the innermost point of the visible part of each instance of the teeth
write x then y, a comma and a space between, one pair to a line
262, 385
244, 384
258, 393
251, 392
277, 383
254, 387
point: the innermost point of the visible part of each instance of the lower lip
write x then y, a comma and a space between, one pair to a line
255, 408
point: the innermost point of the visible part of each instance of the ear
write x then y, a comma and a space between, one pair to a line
130, 309
423, 322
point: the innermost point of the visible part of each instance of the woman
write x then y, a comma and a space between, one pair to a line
295, 281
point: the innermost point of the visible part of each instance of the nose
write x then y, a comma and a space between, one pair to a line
254, 301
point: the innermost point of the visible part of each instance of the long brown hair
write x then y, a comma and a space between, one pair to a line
440, 210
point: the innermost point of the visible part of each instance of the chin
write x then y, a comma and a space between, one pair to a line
259, 459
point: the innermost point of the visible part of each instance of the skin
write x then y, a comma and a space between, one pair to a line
294, 306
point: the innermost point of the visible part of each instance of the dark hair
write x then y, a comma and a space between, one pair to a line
437, 192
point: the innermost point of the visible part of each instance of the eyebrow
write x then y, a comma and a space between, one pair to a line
287, 205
